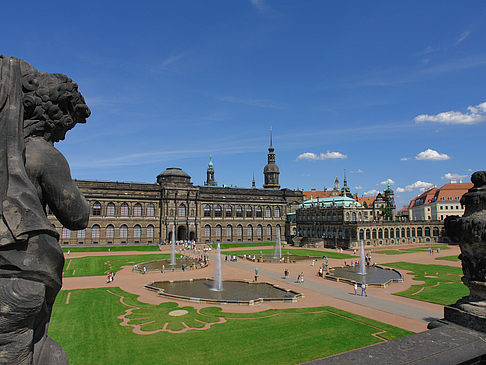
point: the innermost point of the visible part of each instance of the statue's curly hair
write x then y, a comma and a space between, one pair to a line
51, 101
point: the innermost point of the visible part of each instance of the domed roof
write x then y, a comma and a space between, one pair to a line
174, 171
271, 167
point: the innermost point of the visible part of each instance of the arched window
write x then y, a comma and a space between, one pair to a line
218, 211
207, 210
269, 230
207, 231
239, 211
408, 232
82, 233
66, 233
181, 210
249, 232
403, 233
239, 231
137, 210
123, 231
229, 231
392, 233
150, 231
110, 210
218, 232
268, 212
368, 234
150, 210
249, 211
110, 231
334, 217
413, 232
380, 233
277, 212
361, 234
340, 234
397, 233
96, 208
359, 217
373, 234
347, 216
419, 231
137, 231
95, 231
259, 231
427, 231
258, 212
124, 210
386, 233
228, 211
436, 232
354, 216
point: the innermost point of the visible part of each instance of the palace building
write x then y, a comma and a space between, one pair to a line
143, 213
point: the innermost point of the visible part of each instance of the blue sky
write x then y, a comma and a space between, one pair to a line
386, 90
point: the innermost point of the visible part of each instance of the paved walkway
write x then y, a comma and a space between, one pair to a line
402, 312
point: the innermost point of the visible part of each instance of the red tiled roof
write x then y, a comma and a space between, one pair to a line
366, 199
452, 191
314, 194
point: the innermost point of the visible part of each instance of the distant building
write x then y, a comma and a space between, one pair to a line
138, 213
439, 203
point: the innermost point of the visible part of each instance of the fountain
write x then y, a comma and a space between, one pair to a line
173, 251
277, 254
371, 275
218, 277
362, 262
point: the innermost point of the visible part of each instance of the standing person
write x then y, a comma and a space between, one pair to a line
302, 277
256, 273
363, 289
355, 288
286, 273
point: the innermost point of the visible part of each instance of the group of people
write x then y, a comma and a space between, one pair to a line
300, 278
432, 250
110, 277
363, 289
232, 258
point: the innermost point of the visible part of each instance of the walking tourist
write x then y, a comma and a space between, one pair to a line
355, 288
363, 289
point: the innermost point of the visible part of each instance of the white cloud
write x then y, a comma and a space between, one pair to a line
358, 171
404, 159
323, 156
432, 155
359, 187
373, 192
450, 176
421, 185
476, 114
388, 181
259, 5
462, 37
401, 190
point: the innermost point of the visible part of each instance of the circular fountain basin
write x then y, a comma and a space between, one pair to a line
158, 265
375, 275
234, 291
284, 259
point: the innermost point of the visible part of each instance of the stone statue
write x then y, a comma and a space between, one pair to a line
470, 231
36, 110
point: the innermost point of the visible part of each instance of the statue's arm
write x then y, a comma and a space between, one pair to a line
58, 189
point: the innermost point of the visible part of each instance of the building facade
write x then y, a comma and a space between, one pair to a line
136, 213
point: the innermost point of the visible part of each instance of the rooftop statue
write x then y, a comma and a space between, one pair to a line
36, 110
470, 232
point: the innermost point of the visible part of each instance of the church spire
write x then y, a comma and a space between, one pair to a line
271, 170
210, 174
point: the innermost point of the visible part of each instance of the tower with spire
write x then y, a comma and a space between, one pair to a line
345, 191
210, 174
271, 170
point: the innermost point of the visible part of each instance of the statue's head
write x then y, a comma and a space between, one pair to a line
52, 104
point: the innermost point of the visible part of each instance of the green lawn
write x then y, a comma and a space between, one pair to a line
402, 251
293, 251
442, 285
448, 258
101, 265
111, 248
288, 336
243, 244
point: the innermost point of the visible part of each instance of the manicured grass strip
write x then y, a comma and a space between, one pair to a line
442, 285
243, 244
293, 251
402, 251
287, 337
111, 248
448, 258
101, 265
